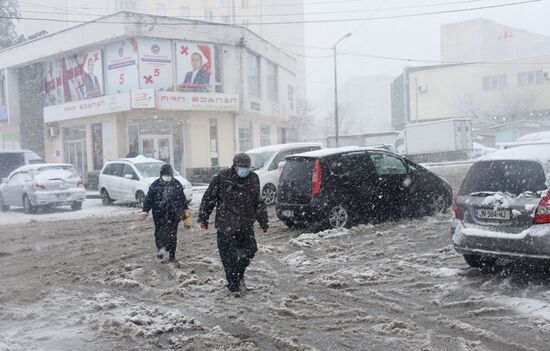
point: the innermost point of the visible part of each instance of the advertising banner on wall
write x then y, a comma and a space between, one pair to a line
122, 66
96, 106
155, 64
195, 67
53, 83
82, 76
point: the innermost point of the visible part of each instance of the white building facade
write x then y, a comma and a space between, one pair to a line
187, 92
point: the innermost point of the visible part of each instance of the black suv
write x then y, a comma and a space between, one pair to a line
348, 186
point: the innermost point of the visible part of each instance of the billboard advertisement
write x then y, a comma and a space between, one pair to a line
82, 76
122, 66
53, 83
195, 67
155, 64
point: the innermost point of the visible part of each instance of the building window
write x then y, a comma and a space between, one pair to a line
253, 75
494, 82
226, 19
272, 82
281, 135
291, 97
185, 11
161, 9
265, 135
214, 158
530, 78
245, 136
208, 15
125, 5
244, 4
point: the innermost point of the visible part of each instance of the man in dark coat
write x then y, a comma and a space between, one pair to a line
235, 193
167, 201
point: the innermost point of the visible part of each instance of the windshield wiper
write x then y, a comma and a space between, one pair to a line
483, 193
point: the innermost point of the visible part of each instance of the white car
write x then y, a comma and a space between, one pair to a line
266, 162
42, 185
129, 179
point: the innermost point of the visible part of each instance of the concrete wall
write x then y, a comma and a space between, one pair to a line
31, 121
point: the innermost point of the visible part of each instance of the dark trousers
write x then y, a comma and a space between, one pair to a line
236, 249
166, 235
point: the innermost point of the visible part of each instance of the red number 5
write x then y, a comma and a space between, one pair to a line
157, 72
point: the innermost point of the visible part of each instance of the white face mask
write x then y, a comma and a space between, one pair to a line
166, 178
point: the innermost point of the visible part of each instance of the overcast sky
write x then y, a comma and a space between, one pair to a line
404, 37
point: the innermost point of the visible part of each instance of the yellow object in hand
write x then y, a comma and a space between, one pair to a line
187, 223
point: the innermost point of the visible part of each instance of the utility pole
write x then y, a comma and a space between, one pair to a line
336, 129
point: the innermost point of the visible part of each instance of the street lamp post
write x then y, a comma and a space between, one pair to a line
336, 89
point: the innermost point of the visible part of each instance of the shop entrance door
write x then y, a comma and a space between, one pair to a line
158, 147
75, 154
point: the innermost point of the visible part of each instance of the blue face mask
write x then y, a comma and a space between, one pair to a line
243, 172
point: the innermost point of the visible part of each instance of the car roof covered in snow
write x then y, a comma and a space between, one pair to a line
41, 165
537, 153
136, 160
281, 147
334, 151
535, 136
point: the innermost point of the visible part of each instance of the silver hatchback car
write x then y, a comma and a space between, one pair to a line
42, 185
502, 209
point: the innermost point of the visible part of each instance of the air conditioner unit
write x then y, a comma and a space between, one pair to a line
546, 75
422, 88
52, 132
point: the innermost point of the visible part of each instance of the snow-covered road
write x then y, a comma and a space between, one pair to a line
94, 284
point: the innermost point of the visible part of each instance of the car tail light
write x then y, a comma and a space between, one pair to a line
38, 186
456, 209
316, 178
542, 215
80, 184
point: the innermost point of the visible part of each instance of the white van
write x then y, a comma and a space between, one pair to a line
10, 160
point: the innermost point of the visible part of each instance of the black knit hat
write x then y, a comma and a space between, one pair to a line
242, 160
166, 170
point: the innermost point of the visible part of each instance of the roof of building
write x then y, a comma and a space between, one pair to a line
118, 26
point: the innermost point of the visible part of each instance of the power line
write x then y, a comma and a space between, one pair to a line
288, 22
281, 14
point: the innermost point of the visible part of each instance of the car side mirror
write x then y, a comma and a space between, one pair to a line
281, 165
129, 176
4, 180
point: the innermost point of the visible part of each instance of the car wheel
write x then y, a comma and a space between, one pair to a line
288, 222
437, 204
140, 198
29, 208
3, 206
76, 206
338, 217
478, 261
105, 198
269, 194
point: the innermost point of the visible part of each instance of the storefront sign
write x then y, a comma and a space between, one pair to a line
155, 64
78, 109
143, 98
197, 102
194, 67
122, 66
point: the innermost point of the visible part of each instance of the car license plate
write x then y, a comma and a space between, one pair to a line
288, 213
63, 196
485, 213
